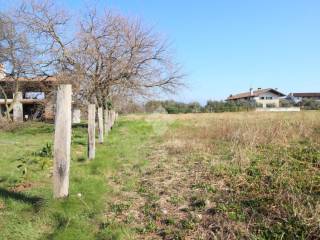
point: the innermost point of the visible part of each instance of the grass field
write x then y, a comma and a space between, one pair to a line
194, 176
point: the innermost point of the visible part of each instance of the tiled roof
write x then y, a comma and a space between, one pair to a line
306, 94
36, 79
254, 94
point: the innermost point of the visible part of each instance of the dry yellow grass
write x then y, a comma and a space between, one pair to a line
233, 175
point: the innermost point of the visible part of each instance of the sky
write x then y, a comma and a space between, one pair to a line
229, 46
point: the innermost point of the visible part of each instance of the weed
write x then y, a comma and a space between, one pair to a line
46, 151
188, 224
119, 208
198, 202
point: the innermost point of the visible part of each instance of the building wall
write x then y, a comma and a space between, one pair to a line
49, 110
290, 109
275, 102
265, 101
48, 113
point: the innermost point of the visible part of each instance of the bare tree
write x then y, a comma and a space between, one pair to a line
48, 27
121, 57
16, 53
33, 46
108, 57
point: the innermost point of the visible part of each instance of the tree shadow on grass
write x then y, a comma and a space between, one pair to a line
35, 201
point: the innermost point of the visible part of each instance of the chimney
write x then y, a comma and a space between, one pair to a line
251, 91
2, 71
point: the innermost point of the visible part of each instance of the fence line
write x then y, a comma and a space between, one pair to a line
62, 137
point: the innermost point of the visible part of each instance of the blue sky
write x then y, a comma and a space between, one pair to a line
228, 46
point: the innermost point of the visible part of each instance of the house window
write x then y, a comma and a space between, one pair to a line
262, 98
269, 98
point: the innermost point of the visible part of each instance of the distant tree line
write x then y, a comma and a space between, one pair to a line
172, 107
306, 104
229, 106
175, 107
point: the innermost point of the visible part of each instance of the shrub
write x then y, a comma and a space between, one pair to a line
310, 104
271, 105
230, 106
8, 126
173, 107
286, 103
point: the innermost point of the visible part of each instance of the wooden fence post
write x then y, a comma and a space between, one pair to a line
62, 142
106, 121
109, 120
100, 124
91, 131
113, 117
18, 108
76, 115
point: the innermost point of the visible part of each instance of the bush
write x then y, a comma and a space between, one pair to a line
310, 104
286, 103
173, 107
222, 106
9, 126
271, 105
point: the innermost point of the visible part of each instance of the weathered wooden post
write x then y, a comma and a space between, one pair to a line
100, 124
106, 121
62, 142
91, 131
114, 117
18, 108
76, 115
111, 119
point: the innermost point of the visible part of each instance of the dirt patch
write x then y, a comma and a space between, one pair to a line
23, 187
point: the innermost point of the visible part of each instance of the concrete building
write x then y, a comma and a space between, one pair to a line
264, 97
34, 98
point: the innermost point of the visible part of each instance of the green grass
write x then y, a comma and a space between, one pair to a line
26, 164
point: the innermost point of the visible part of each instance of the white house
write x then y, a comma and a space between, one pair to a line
265, 97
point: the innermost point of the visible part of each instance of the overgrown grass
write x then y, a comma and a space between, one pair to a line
232, 176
